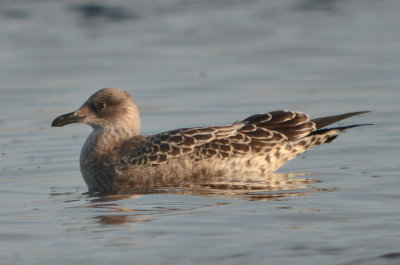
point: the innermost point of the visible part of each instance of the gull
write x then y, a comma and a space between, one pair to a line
116, 158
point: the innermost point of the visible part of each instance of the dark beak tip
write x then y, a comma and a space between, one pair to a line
58, 122
55, 124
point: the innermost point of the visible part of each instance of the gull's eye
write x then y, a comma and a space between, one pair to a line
102, 105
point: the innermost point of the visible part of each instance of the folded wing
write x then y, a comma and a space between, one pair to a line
257, 133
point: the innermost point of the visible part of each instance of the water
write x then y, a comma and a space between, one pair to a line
192, 63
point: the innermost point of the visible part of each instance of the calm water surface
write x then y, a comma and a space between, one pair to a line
192, 63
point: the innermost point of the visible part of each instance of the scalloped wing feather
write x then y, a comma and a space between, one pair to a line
258, 133
293, 125
158, 149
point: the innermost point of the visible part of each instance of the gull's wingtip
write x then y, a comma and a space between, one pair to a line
325, 121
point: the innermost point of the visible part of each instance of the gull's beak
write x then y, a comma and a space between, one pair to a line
68, 118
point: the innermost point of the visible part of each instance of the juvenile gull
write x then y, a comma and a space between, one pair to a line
116, 158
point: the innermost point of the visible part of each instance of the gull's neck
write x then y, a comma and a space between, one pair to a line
103, 146
108, 141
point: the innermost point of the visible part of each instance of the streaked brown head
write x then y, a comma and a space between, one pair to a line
107, 108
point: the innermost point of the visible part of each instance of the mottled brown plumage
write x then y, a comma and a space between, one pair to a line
116, 158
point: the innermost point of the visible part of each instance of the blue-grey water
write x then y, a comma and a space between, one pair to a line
190, 63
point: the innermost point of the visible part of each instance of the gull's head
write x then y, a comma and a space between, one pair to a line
107, 108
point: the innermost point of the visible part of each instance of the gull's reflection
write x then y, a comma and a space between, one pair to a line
266, 187
273, 186
124, 208
121, 219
